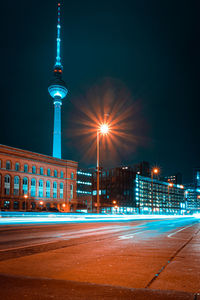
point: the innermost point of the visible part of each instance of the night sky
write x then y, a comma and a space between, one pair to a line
151, 47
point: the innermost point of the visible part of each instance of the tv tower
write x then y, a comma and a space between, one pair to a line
57, 91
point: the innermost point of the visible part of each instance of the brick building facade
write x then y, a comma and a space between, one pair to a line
32, 181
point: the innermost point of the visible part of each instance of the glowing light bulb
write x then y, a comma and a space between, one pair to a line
104, 128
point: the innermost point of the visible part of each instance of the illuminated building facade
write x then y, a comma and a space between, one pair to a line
192, 192
192, 198
32, 181
58, 92
167, 199
84, 190
123, 190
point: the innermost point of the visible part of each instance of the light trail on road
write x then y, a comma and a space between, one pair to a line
129, 253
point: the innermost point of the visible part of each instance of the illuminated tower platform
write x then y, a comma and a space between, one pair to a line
58, 92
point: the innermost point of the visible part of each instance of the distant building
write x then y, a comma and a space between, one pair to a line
32, 181
197, 178
192, 197
142, 168
159, 195
175, 178
123, 190
116, 189
84, 190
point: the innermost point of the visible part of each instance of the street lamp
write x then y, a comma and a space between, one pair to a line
25, 197
153, 171
103, 129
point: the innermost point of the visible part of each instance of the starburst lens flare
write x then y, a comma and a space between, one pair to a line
109, 108
104, 128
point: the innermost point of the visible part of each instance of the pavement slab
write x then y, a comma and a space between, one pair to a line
24, 288
125, 260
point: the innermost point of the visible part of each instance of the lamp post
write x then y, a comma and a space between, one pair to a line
153, 171
170, 185
25, 197
103, 129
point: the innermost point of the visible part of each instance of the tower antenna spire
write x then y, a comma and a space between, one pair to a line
58, 91
58, 58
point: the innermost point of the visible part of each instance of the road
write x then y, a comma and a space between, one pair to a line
141, 259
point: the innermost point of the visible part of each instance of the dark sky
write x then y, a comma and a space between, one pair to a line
152, 47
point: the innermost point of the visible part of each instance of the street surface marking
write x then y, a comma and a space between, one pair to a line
66, 237
171, 234
129, 236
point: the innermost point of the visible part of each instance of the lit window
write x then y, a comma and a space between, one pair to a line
33, 169
25, 168
48, 184
25, 181
71, 191
17, 167
33, 182
7, 179
8, 165
16, 180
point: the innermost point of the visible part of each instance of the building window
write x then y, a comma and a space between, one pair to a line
17, 167
16, 180
48, 184
25, 186
41, 171
40, 192
72, 175
6, 204
16, 204
54, 189
7, 185
71, 190
61, 174
33, 169
7, 179
33, 182
48, 189
25, 181
33, 187
47, 194
61, 190
55, 185
8, 165
16, 186
48, 172
55, 173
25, 168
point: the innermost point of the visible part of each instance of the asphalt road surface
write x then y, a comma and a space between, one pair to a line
141, 259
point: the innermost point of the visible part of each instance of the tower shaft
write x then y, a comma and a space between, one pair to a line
58, 91
57, 130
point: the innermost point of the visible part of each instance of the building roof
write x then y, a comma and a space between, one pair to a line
11, 151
